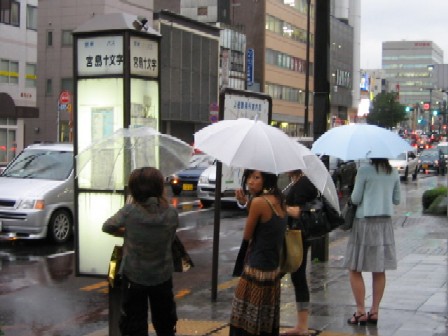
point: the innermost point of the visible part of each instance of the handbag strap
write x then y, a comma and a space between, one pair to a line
271, 205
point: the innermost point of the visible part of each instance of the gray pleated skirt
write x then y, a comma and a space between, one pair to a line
371, 245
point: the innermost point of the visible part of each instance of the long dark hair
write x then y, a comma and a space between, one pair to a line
269, 183
382, 164
147, 182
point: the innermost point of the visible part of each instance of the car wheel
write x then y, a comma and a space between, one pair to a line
60, 227
176, 190
414, 175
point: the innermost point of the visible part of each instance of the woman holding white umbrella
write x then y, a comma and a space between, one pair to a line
256, 302
371, 245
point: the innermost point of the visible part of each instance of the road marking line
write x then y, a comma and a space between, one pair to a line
95, 286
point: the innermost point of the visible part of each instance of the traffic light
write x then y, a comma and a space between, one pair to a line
435, 112
408, 109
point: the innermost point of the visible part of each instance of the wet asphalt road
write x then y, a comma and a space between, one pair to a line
40, 295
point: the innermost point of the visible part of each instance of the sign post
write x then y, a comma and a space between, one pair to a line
64, 104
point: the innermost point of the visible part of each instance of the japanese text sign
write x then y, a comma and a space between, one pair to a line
144, 57
101, 55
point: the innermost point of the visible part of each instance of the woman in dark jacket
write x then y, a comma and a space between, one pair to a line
148, 226
300, 191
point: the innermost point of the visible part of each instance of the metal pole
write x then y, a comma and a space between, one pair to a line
58, 121
307, 71
216, 230
430, 111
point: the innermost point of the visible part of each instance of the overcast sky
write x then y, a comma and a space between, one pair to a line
396, 20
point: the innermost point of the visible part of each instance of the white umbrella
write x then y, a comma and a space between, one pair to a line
360, 141
318, 174
107, 163
251, 144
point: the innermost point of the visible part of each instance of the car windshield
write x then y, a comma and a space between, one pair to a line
430, 155
41, 164
402, 156
200, 161
444, 149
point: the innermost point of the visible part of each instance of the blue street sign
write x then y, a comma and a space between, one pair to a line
250, 67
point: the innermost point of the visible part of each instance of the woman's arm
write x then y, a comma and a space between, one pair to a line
396, 195
115, 224
358, 189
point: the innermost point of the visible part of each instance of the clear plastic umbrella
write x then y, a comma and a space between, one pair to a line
106, 164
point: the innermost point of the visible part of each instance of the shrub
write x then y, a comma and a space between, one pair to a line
438, 206
430, 195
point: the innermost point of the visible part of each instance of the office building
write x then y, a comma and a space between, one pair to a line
407, 66
18, 81
189, 73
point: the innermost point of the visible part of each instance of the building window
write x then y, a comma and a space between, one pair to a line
49, 87
202, 10
9, 72
67, 38
31, 17
10, 12
8, 146
30, 76
49, 38
67, 84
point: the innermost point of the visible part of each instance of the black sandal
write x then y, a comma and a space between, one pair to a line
371, 320
356, 319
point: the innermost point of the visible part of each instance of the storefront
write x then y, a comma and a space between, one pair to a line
12, 127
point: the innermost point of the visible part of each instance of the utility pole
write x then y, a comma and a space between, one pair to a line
320, 247
306, 124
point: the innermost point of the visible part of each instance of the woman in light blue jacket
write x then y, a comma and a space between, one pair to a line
371, 245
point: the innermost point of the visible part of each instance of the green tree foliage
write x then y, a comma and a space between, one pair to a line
386, 110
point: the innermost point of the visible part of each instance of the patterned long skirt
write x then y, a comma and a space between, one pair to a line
256, 303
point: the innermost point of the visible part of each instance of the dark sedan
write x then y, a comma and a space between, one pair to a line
432, 161
342, 172
187, 179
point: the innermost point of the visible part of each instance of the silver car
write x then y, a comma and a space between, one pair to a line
36, 194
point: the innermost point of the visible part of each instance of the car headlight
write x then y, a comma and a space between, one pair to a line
203, 179
174, 179
32, 204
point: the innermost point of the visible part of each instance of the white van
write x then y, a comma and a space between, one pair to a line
36, 194
406, 163
230, 182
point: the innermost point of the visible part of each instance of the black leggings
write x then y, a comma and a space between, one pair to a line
298, 278
134, 309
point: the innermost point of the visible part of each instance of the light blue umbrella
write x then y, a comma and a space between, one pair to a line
360, 141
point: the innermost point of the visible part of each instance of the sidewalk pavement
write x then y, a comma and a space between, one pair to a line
415, 301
